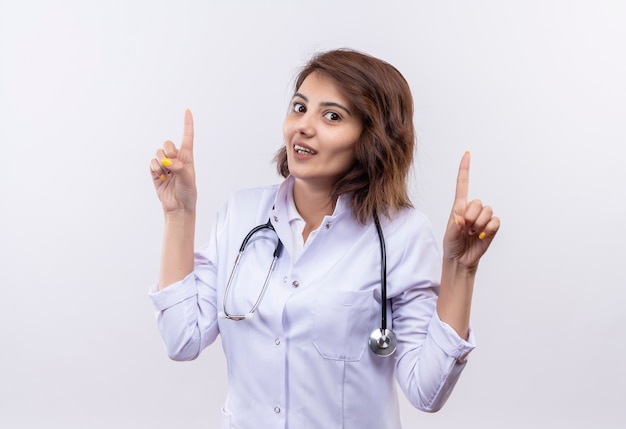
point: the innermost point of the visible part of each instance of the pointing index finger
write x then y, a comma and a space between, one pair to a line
187, 141
462, 180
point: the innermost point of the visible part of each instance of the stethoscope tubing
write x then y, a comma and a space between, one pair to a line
383, 272
382, 341
277, 252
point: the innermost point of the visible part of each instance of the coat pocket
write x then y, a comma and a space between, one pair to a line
342, 322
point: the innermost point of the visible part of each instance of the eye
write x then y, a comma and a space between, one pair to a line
332, 116
298, 108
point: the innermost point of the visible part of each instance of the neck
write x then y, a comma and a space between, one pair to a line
313, 204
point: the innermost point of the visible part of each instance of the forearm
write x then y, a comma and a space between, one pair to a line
177, 257
455, 296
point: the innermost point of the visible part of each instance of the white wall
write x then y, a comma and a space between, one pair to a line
89, 90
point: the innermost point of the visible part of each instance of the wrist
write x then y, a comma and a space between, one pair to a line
458, 269
180, 215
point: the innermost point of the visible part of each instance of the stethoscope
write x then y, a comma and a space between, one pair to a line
382, 341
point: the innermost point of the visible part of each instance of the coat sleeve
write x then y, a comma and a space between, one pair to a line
186, 311
430, 355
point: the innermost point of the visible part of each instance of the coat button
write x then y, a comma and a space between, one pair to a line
277, 410
277, 341
295, 283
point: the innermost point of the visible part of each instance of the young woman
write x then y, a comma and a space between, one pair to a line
341, 291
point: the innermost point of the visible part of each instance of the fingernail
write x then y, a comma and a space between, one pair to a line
162, 176
467, 152
456, 220
482, 235
166, 162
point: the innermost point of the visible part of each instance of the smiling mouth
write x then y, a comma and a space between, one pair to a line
303, 150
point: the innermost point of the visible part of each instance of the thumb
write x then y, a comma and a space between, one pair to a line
456, 225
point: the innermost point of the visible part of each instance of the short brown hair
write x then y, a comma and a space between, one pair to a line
384, 152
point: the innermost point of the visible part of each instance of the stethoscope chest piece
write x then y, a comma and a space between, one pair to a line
382, 342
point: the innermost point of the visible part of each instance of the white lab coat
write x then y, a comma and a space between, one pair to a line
303, 361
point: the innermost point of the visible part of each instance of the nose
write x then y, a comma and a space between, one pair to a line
304, 125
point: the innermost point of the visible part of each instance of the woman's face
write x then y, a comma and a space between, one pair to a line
320, 132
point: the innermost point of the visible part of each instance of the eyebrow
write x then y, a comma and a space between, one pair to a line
325, 103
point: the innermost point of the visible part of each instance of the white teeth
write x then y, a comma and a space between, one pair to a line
302, 150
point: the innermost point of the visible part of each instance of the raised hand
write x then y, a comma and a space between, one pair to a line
471, 227
173, 172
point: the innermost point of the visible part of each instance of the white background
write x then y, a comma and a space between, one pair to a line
88, 91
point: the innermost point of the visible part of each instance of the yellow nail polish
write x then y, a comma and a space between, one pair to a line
467, 152
456, 220
166, 162
481, 235
162, 176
